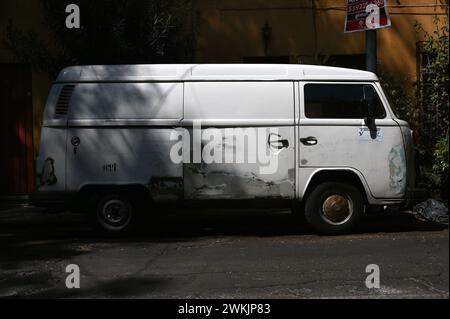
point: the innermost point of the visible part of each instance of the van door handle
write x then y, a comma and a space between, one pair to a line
309, 141
279, 143
75, 141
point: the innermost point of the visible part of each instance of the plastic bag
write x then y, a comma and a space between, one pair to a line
432, 210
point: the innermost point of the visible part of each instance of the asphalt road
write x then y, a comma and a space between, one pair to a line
223, 255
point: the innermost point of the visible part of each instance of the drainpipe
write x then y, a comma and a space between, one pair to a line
371, 51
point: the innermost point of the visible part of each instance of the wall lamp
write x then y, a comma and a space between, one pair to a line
266, 32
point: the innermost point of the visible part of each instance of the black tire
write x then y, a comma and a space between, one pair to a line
113, 214
298, 212
334, 208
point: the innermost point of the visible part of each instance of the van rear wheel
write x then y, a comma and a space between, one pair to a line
334, 208
113, 214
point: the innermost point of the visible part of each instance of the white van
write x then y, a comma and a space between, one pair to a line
122, 140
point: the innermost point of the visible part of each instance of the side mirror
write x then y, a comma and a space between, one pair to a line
368, 106
371, 109
370, 122
368, 114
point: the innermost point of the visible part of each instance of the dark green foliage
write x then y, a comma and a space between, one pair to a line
403, 102
427, 111
434, 104
112, 32
440, 165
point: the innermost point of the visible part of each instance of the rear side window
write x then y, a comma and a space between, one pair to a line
127, 101
342, 101
239, 100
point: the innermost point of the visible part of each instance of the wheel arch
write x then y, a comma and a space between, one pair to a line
345, 175
137, 191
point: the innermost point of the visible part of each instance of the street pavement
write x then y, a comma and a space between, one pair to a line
221, 255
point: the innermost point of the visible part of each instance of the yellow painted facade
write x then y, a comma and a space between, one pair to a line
304, 31
310, 31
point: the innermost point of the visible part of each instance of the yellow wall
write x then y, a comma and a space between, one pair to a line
309, 31
227, 30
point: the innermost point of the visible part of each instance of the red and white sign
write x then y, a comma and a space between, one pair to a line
365, 15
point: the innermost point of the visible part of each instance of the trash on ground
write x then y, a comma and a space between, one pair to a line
432, 210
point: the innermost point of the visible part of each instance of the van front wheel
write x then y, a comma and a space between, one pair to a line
113, 214
334, 208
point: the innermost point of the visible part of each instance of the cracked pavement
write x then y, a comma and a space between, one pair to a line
221, 255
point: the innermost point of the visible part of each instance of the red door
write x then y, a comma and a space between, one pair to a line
16, 130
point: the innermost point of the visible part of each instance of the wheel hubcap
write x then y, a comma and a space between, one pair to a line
115, 212
337, 209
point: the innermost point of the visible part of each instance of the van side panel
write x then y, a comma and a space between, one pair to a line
123, 156
244, 122
119, 134
127, 101
239, 101
51, 161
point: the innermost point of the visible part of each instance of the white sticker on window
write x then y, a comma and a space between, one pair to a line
366, 134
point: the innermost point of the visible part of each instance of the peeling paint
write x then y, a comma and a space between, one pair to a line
166, 188
291, 174
202, 182
47, 175
397, 170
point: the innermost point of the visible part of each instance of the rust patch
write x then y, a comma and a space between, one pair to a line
202, 183
166, 188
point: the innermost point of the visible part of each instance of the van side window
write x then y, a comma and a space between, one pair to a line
342, 101
239, 100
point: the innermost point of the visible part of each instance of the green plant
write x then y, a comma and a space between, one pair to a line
404, 103
432, 119
441, 155
440, 166
433, 89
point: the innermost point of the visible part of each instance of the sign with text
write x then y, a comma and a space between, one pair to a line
365, 15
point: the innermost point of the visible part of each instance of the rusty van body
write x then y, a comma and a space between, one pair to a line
121, 139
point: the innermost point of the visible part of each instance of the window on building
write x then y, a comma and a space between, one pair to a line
342, 101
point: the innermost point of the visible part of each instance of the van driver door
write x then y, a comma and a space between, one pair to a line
242, 140
337, 132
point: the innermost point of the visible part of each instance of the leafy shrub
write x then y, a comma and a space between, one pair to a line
426, 110
440, 166
112, 32
434, 107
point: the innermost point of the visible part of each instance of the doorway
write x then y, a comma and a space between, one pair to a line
16, 130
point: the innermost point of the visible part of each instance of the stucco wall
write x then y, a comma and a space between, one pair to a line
308, 31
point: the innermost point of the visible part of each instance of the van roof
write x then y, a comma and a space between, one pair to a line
209, 72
